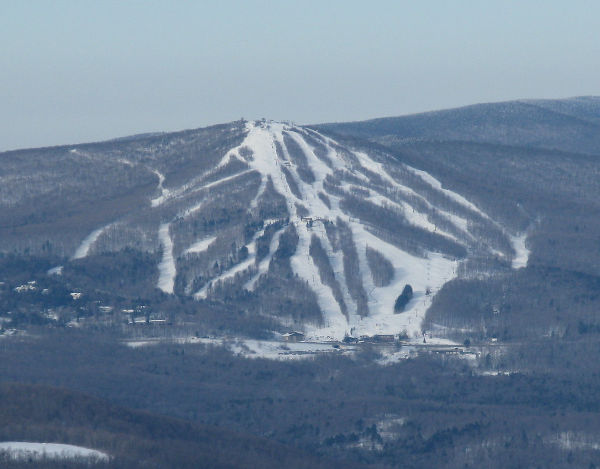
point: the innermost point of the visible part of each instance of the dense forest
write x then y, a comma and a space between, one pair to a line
432, 409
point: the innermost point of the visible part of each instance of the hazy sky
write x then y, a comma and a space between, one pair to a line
73, 71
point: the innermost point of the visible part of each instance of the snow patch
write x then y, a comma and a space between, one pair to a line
252, 348
58, 270
570, 440
29, 450
166, 268
521, 252
164, 192
84, 248
200, 246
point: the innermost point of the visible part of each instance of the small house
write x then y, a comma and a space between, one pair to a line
293, 336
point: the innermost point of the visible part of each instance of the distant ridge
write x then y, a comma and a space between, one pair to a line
571, 124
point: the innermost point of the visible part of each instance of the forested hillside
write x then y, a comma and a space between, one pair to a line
419, 291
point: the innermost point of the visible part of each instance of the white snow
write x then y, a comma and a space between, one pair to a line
196, 184
166, 269
261, 190
58, 270
231, 273
413, 216
200, 246
433, 182
252, 348
521, 252
164, 193
393, 355
418, 218
571, 440
263, 265
84, 248
30, 450
219, 181
275, 350
430, 272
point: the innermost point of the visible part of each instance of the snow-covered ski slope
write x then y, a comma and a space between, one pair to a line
381, 223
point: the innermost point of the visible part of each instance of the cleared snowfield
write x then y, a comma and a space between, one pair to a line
29, 450
200, 246
385, 354
58, 270
521, 252
166, 269
84, 248
250, 348
164, 193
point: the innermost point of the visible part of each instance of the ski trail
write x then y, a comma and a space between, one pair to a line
333, 316
85, 246
166, 268
237, 268
228, 157
260, 192
263, 265
193, 185
164, 193
422, 219
410, 213
194, 208
381, 300
431, 274
378, 168
336, 260
200, 246
436, 184
220, 181
261, 139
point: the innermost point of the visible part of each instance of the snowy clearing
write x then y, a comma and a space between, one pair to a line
521, 252
251, 348
200, 246
58, 270
166, 268
84, 248
164, 193
29, 450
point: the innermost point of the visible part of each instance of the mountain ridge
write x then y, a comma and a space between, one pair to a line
520, 122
